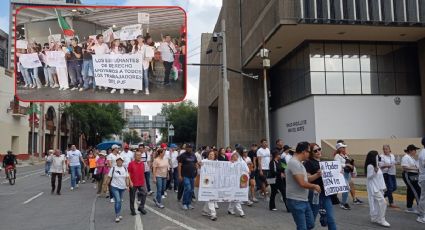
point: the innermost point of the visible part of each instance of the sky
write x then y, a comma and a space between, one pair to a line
201, 18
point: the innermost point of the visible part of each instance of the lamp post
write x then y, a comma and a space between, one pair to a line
264, 54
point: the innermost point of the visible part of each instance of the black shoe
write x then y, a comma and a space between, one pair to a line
141, 210
51, 192
58, 193
133, 213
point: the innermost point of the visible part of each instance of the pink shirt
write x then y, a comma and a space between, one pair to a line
101, 166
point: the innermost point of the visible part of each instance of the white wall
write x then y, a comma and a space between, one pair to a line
283, 117
361, 117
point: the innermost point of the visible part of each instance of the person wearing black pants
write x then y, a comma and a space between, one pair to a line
53, 180
410, 177
167, 49
57, 169
276, 173
167, 72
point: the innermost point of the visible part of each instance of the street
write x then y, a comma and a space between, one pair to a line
29, 205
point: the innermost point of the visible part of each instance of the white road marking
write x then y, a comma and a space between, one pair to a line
93, 210
138, 225
33, 198
169, 218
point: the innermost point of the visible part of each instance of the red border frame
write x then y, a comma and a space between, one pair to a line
104, 101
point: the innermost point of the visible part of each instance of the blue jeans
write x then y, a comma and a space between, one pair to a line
161, 183
146, 79
302, 214
47, 168
176, 178
326, 203
147, 180
74, 71
188, 184
36, 79
25, 75
391, 183
347, 177
88, 74
117, 194
75, 173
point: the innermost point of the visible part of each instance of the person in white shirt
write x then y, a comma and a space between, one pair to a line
375, 189
147, 160
58, 167
127, 155
263, 157
147, 51
421, 164
119, 178
236, 205
167, 49
174, 167
210, 207
387, 164
100, 48
410, 177
74, 157
111, 158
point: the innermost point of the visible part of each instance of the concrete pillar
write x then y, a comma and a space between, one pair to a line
421, 55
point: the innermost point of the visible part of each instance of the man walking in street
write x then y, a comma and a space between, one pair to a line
187, 168
127, 155
136, 169
74, 157
263, 156
167, 49
58, 167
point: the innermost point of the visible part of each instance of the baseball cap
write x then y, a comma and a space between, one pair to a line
410, 148
119, 158
340, 145
103, 153
163, 146
115, 147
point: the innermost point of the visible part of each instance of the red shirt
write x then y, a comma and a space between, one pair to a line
137, 173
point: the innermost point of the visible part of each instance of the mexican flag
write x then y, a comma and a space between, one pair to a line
67, 31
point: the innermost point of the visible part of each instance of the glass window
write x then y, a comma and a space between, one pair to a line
318, 83
352, 83
333, 57
368, 59
351, 59
317, 54
385, 58
334, 83
386, 83
401, 55
370, 83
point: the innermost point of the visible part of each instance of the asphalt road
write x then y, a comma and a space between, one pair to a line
29, 205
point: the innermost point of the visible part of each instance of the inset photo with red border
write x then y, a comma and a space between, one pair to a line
100, 54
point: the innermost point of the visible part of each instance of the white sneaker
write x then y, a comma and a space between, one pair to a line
61, 88
421, 219
72, 188
121, 91
25, 86
384, 223
112, 200
136, 91
74, 88
83, 182
120, 217
65, 88
38, 87
165, 194
100, 87
56, 86
113, 90
163, 197
117, 219
46, 85
81, 89
34, 86
30, 86
147, 92
77, 186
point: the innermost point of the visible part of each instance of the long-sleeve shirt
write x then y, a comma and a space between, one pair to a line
375, 180
58, 163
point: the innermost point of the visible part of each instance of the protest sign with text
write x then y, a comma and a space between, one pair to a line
55, 38
30, 60
107, 35
131, 32
333, 179
223, 181
119, 71
21, 44
56, 58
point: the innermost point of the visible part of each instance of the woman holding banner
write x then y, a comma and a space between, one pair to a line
147, 53
34, 74
210, 206
49, 71
312, 166
237, 157
23, 70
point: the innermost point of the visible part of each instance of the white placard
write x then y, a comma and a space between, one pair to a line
30, 60
55, 38
333, 179
119, 71
223, 181
55, 58
143, 18
116, 34
131, 32
107, 35
21, 44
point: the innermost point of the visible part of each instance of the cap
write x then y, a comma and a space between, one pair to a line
163, 145
115, 147
410, 148
173, 146
340, 145
103, 153
119, 158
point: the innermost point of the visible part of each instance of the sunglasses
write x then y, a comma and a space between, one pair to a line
317, 150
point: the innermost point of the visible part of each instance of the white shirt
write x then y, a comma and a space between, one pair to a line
288, 158
74, 157
146, 157
120, 175
408, 161
101, 49
341, 159
147, 53
58, 163
264, 154
166, 53
167, 155
421, 163
174, 162
387, 160
128, 157
375, 180
113, 158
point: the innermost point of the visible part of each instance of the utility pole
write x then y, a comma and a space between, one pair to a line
225, 87
264, 54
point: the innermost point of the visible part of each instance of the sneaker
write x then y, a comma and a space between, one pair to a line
357, 201
136, 91
412, 210
81, 89
120, 217
164, 196
421, 219
216, 206
72, 188
345, 206
147, 92
249, 203
254, 200
113, 90
150, 193
112, 200
133, 213
213, 218
117, 220
274, 209
176, 191
83, 182
156, 202
184, 207
46, 85
56, 86
38, 87
205, 213
230, 213
242, 215
384, 223
74, 88
121, 91
77, 186
141, 210
190, 206
65, 88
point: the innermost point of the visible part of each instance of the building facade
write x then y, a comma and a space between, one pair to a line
352, 69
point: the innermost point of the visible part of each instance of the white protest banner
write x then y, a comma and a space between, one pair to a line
21, 44
333, 179
116, 34
131, 32
107, 35
55, 58
143, 18
223, 181
30, 60
55, 38
119, 71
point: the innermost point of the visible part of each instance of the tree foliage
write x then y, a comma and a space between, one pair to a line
95, 121
183, 116
132, 137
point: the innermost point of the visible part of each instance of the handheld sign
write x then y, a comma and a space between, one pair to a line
30, 60
333, 179
131, 32
21, 44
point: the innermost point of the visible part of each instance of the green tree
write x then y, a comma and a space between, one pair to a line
131, 137
183, 116
95, 121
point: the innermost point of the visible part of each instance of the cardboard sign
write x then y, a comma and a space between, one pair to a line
143, 18
131, 32
107, 35
30, 61
21, 44
55, 38
55, 59
333, 179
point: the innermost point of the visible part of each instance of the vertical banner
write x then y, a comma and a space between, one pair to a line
30, 60
118, 71
223, 181
333, 179
131, 32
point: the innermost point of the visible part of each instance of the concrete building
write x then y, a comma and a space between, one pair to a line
4, 41
352, 69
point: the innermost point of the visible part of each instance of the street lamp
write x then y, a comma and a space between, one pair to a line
264, 54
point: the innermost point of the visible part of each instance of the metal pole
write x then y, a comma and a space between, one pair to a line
32, 132
266, 106
41, 133
225, 88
